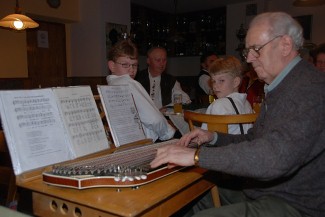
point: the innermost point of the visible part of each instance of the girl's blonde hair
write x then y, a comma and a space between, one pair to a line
229, 64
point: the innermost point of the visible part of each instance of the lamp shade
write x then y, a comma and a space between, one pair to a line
18, 22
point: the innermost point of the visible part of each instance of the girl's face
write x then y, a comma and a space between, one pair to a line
224, 84
123, 66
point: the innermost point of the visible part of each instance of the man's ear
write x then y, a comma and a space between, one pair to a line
286, 45
111, 65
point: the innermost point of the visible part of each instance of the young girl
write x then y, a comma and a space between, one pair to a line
226, 78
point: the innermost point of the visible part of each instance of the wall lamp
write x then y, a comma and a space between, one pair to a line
17, 21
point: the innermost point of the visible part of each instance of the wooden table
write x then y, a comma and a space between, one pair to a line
159, 198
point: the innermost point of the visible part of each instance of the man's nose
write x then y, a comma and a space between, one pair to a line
250, 57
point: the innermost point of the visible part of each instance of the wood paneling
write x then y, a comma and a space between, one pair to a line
46, 64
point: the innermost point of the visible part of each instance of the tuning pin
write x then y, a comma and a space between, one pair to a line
117, 178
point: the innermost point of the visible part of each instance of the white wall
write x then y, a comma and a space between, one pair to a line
85, 34
88, 40
318, 12
236, 16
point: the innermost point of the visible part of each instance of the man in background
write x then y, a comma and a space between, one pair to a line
160, 86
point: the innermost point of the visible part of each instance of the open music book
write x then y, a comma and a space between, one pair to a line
50, 125
121, 114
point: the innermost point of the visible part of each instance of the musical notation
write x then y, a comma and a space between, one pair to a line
50, 125
122, 115
82, 119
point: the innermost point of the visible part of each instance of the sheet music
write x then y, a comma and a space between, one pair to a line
121, 114
82, 119
51, 125
32, 124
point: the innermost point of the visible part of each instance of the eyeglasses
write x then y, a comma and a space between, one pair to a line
127, 65
257, 49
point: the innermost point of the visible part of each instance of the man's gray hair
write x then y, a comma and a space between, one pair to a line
281, 23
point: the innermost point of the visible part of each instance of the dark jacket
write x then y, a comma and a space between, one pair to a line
200, 91
167, 83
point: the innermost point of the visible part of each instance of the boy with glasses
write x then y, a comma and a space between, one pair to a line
123, 65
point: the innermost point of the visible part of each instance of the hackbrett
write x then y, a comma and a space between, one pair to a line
125, 168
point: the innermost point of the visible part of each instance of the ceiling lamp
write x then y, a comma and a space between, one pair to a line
308, 3
17, 21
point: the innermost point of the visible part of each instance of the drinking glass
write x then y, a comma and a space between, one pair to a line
211, 96
257, 102
177, 100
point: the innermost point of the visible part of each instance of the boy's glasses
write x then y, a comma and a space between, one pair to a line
127, 65
257, 49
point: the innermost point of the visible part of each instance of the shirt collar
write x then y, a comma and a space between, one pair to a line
157, 78
282, 75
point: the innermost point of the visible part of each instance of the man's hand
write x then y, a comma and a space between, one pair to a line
197, 136
174, 155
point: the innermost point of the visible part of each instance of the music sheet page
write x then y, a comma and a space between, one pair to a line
121, 114
82, 120
33, 128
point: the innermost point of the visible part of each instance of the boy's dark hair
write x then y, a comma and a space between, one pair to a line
205, 55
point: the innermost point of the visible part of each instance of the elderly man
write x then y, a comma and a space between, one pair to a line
283, 155
160, 85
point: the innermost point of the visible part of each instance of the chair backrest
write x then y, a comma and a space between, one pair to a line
217, 123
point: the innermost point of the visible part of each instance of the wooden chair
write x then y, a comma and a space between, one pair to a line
218, 123
7, 176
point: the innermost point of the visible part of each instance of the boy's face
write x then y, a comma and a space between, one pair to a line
224, 84
124, 66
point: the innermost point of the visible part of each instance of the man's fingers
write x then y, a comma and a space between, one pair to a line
161, 158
